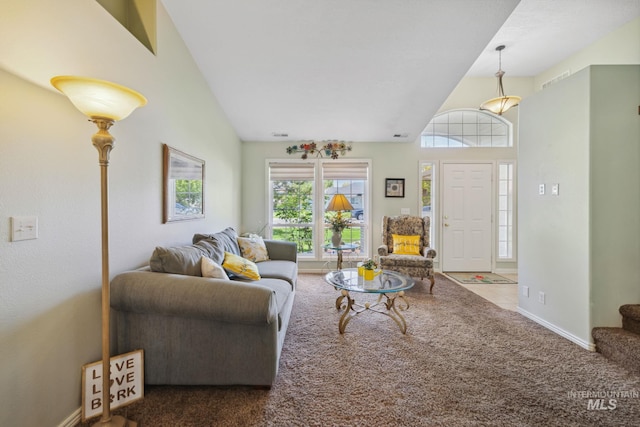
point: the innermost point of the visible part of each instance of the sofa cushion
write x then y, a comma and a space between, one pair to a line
215, 249
414, 261
212, 269
253, 248
276, 269
240, 267
226, 239
180, 259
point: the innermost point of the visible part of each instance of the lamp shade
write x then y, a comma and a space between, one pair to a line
99, 98
339, 203
501, 104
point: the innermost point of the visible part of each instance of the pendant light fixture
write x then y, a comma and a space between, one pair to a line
502, 103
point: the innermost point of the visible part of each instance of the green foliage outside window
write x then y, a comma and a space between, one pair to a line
293, 204
293, 216
189, 193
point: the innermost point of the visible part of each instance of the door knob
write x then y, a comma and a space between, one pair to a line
446, 224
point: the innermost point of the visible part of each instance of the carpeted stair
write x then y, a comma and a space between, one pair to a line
622, 345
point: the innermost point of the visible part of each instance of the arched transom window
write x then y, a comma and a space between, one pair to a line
466, 128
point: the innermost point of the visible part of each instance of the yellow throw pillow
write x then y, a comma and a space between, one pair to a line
406, 245
240, 267
253, 248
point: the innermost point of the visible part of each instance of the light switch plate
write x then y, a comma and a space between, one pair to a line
24, 228
555, 189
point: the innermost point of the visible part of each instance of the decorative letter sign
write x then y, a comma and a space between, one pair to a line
127, 383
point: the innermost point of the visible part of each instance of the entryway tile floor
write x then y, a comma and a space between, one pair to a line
503, 295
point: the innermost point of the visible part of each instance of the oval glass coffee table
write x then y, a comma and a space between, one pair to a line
389, 285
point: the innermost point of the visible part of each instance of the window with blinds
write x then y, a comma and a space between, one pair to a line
292, 196
299, 193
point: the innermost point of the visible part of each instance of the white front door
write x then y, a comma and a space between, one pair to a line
466, 217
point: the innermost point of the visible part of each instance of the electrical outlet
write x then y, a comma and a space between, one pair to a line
541, 297
541, 189
525, 291
555, 190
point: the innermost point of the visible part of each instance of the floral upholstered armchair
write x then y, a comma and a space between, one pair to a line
405, 247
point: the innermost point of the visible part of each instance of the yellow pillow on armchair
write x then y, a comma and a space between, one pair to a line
406, 245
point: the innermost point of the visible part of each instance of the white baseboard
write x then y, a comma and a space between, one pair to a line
313, 271
576, 340
73, 419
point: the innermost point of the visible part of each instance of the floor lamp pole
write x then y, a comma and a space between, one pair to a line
103, 141
104, 103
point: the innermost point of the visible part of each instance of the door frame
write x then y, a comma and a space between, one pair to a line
440, 196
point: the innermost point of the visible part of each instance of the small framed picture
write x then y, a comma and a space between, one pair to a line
394, 187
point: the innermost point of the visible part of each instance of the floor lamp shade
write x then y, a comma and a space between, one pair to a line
104, 103
99, 98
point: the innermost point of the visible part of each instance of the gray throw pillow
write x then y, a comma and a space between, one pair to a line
180, 259
227, 239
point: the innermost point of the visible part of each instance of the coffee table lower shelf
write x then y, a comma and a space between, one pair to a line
388, 285
388, 307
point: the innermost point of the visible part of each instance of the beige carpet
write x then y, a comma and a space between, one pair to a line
463, 362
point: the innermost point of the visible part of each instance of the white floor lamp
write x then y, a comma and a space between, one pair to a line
104, 103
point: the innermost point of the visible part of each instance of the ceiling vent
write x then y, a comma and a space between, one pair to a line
400, 135
556, 79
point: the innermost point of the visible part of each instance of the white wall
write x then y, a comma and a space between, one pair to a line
618, 47
553, 230
592, 300
615, 183
50, 287
581, 247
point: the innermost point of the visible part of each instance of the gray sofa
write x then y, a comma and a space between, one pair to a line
197, 330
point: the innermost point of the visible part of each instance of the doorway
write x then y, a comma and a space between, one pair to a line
467, 200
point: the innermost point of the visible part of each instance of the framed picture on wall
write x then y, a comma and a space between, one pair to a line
183, 180
394, 187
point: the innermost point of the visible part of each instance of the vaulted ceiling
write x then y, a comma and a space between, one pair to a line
366, 70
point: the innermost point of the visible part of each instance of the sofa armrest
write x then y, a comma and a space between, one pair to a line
190, 296
383, 250
281, 250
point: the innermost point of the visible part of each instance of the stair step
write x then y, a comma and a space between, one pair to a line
618, 345
631, 317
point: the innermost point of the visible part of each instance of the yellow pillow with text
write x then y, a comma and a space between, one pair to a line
406, 245
241, 267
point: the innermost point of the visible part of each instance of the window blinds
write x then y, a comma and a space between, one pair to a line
291, 171
345, 170
330, 170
